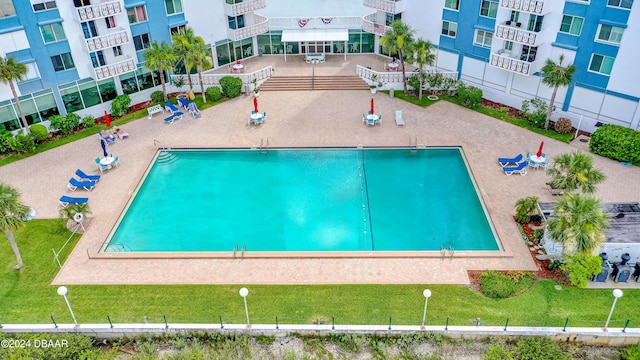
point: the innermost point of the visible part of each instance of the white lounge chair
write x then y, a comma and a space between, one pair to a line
399, 120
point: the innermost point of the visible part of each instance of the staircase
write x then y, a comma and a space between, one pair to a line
301, 83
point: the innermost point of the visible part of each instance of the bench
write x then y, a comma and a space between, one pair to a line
154, 110
399, 120
174, 116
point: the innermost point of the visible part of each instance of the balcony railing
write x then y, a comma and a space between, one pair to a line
108, 41
92, 12
390, 6
118, 68
369, 25
530, 6
244, 7
261, 26
338, 22
512, 33
505, 62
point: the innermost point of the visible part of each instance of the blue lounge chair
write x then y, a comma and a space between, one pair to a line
520, 169
107, 136
515, 160
170, 107
84, 176
174, 116
75, 184
183, 102
67, 200
193, 109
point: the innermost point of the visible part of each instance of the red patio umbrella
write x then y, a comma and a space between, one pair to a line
106, 119
255, 104
372, 106
539, 153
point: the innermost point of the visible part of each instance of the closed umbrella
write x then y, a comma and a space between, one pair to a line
539, 153
372, 106
104, 147
255, 104
106, 119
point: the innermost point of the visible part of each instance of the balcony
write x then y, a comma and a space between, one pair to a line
115, 69
261, 26
389, 6
369, 25
108, 41
504, 61
99, 11
244, 7
338, 22
530, 6
515, 34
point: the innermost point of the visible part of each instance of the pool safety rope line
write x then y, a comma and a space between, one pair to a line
368, 202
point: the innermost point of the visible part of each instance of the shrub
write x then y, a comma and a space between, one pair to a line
88, 121
231, 86
499, 286
526, 207
74, 120
581, 268
5, 135
65, 123
157, 96
213, 93
535, 348
470, 96
535, 111
631, 353
120, 105
22, 143
616, 142
435, 81
563, 126
39, 132
497, 352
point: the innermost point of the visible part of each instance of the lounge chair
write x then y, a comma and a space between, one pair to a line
399, 120
75, 184
106, 136
520, 169
193, 109
84, 176
174, 116
183, 102
67, 200
119, 131
514, 160
170, 107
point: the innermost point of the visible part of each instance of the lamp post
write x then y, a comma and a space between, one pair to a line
244, 292
617, 293
62, 290
427, 295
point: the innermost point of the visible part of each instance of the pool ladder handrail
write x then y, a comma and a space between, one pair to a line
236, 249
264, 145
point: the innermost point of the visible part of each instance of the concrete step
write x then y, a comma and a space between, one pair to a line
300, 83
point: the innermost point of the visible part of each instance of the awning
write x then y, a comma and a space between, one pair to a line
315, 35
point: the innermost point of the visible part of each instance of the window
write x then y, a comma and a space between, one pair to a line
508, 45
515, 15
483, 38
173, 6
571, 25
52, 33
489, 8
62, 62
452, 4
601, 64
625, 4
7, 9
177, 29
390, 18
89, 29
236, 22
117, 50
32, 72
141, 42
81, 3
97, 59
535, 23
110, 21
528, 53
449, 28
136, 14
610, 33
48, 5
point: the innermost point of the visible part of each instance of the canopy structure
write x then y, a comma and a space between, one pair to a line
311, 35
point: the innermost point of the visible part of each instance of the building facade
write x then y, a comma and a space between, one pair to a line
81, 54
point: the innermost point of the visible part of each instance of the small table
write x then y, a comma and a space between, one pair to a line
315, 58
107, 161
238, 68
393, 66
537, 160
372, 119
255, 118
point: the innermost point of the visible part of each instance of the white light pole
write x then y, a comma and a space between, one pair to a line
617, 293
244, 292
427, 295
62, 290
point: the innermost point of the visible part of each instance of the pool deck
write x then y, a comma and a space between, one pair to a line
298, 119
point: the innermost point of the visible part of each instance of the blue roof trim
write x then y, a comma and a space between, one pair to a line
11, 29
51, 21
564, 46
485, 28
178, 23
135, 4
613, 23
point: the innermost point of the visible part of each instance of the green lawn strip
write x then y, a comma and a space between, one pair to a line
28, 297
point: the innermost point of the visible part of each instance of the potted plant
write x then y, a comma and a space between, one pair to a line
75, 215
374, 80
256, 89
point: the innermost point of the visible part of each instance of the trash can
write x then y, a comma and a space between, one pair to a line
391, 92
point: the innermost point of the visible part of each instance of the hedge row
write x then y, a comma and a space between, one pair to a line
617, 143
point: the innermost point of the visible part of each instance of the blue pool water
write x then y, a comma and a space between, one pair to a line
305, 200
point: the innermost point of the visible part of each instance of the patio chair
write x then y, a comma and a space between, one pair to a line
116, 160
183, 102
520, 169
378, 120
514, 160
102, 167
193, 109
169, 106
74, 184
364, 118
84, 176
67, 200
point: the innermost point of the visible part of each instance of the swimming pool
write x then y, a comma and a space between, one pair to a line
305, 200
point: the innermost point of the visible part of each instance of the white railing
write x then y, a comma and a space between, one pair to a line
369, 25
394, 77
107, 41
214, 79
244, 7
390, 6
515, 34
339, 22
530, 6
508, 63
261, 26
92, 12
118, 68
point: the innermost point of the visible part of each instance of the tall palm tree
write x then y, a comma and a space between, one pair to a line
12, 216
423, 49
10, 71
160, 57
575, 171
555, 75
183, 42
396, 41
578, 223
198, 57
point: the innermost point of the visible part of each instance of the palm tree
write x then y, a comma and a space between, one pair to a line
395, 41
160, 57
183, 41
575, 171
555, 75
423, 49
10, 71
578, 223
12, 216
198, 57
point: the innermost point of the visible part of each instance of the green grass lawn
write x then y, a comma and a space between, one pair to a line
27, 297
